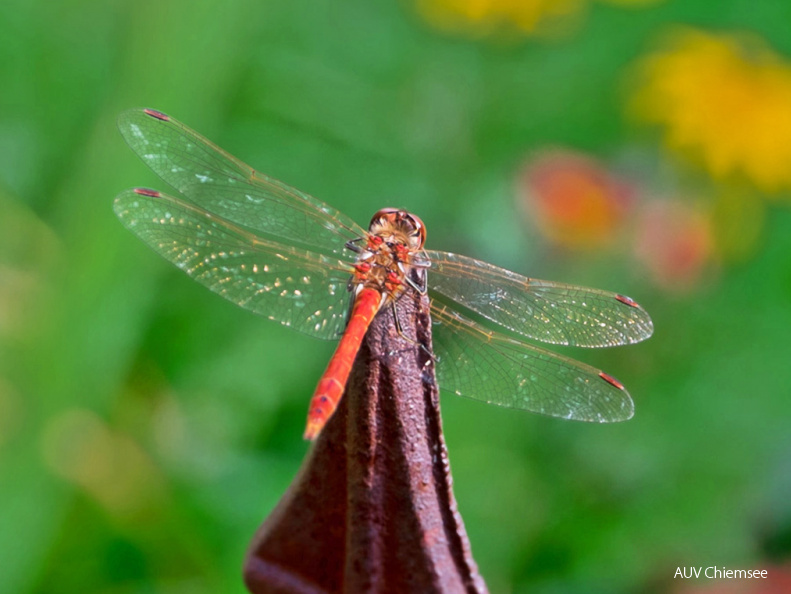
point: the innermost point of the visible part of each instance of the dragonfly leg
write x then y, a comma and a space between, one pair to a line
416, 286
420, 284
405, 337
352, 245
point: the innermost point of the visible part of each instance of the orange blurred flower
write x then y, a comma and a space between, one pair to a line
573, 199
674, 242
723, 100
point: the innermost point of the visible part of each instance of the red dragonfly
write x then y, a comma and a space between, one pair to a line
285, 255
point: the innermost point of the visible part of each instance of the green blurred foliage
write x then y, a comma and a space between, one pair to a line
147, 427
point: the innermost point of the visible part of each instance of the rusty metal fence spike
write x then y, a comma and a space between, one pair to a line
372, 509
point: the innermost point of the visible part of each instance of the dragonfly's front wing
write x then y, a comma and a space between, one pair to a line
480, 364
219, 183
298, 288
551, 312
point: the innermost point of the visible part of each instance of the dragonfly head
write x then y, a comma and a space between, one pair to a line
400, 225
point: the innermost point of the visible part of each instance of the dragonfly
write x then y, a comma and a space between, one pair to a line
285, 255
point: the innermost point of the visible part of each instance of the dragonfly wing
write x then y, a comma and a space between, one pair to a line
486, 366
551, 312
219, 183
297, 288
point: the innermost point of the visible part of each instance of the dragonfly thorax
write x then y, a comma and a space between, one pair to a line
395, 237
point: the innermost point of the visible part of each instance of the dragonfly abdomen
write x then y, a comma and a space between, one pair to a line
333, 382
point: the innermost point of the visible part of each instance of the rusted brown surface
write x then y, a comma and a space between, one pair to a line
372, 509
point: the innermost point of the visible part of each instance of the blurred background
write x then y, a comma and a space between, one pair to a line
147, 426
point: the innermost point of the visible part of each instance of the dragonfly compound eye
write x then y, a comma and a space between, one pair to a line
418, 229
401, 222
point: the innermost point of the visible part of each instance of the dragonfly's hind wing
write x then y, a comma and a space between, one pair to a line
298, 288
486, 366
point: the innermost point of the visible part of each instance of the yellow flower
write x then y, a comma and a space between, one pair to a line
526, 17
725, 102
486, 16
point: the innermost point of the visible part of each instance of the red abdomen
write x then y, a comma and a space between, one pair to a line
332, 384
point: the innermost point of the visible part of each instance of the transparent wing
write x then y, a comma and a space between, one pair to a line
485, 366
297, 288
542, 310
221, 184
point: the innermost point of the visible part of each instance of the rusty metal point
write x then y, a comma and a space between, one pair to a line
372, 508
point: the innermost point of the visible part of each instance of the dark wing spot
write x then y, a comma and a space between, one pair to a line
157, 114
626, 300
611, 380
146, 192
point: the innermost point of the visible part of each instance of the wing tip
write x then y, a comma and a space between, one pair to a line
646, 323
629, 409
626, 410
